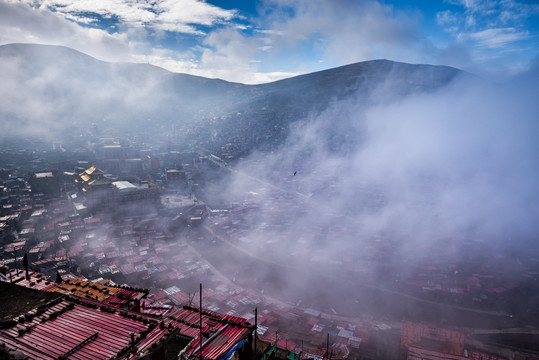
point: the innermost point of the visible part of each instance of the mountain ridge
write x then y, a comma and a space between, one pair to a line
32, 46
61, 90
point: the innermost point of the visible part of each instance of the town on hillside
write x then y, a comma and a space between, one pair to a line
119, 249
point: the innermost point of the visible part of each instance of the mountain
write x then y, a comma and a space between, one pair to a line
51, 88
56, 92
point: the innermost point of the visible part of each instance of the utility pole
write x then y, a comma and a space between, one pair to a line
327, 346
256, 328
16, 262
25, 265
200, 344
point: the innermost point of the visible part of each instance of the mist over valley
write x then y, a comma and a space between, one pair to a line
378, 191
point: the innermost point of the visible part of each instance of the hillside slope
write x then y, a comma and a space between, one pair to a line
56, 92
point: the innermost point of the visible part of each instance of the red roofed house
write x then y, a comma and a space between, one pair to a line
222, 335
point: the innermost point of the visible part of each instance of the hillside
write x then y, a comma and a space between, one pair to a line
57, 92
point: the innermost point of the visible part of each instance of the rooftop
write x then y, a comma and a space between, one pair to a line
36, 281
111, 295
80, 330
124, 185
44, 175
220, 333
416, 353
114, 296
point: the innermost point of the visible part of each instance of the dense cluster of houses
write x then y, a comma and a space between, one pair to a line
119, 250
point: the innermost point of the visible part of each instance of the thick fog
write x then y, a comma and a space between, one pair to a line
398, 182
56, 93
398, 171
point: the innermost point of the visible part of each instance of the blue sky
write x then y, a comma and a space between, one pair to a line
260, 41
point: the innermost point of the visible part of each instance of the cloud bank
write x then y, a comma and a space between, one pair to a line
417, 174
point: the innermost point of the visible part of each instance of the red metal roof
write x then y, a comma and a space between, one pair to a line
81, 331
37, 281
123, 297
220, 332
416, 353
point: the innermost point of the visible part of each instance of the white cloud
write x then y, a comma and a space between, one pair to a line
478, 14
260, 77
346, 31
497, 38
497, 10
226, 54
24, 24
181, 16
132, 12
493, 33
173, 12
171, 61
271, 32
446, 18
